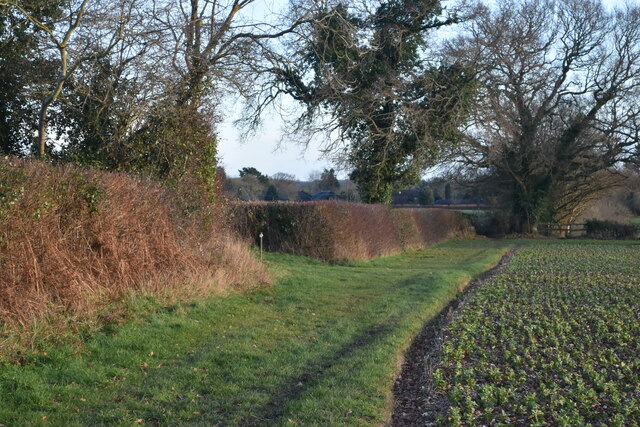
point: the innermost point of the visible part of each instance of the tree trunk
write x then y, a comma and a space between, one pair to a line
526, 222
42, 131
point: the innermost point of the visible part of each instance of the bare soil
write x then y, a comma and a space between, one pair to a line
415, 400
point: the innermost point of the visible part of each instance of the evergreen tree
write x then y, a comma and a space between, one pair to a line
23, 68
271, 194
329, 181
425, 196
363, 67
255, 172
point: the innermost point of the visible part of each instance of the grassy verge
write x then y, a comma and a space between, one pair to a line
551, 340
321, 346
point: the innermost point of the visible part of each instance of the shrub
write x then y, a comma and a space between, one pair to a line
71, 240
492, 223
597, 229
334, 231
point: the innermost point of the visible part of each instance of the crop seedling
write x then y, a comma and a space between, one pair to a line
553, 339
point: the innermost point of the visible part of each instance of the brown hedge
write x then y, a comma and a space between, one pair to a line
334, 231
72, 240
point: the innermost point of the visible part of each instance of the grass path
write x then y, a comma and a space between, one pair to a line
321, 346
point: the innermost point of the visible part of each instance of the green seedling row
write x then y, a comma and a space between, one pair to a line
553, 339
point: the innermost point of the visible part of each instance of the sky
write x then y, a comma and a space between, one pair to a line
263, 150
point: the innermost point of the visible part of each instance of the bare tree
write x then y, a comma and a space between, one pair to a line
285, 185
152, 104
202, 50
213, 44
557, 107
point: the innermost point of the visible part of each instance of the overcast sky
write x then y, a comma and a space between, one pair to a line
262, 151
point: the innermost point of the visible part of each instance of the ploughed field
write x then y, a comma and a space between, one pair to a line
554, 338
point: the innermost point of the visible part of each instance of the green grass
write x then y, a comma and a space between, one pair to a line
554, 339
321, 346
635, 221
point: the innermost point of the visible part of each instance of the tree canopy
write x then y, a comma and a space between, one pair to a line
537, 98
363, 74
557, 110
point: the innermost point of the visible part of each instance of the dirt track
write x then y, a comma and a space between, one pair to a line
414, 400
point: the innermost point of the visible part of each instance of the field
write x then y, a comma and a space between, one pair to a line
321, 346
553, 339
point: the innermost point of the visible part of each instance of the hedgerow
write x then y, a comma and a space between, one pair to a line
597, 229
72, 240
334, 231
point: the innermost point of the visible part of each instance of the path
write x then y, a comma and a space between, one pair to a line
413, 397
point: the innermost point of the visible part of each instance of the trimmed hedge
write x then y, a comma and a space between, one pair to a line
610, 230
334, 231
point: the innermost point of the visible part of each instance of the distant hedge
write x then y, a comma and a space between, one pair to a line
492, 223
597, 229
334, 231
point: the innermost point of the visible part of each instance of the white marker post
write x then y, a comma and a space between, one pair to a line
261, 236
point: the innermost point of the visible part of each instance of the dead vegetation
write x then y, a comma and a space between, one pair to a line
74, 240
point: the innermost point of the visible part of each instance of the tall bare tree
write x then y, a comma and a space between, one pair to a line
285, 185
557, 108
152, 104
214, 45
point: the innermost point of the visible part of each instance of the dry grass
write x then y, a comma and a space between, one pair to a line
73, 240
335, 231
